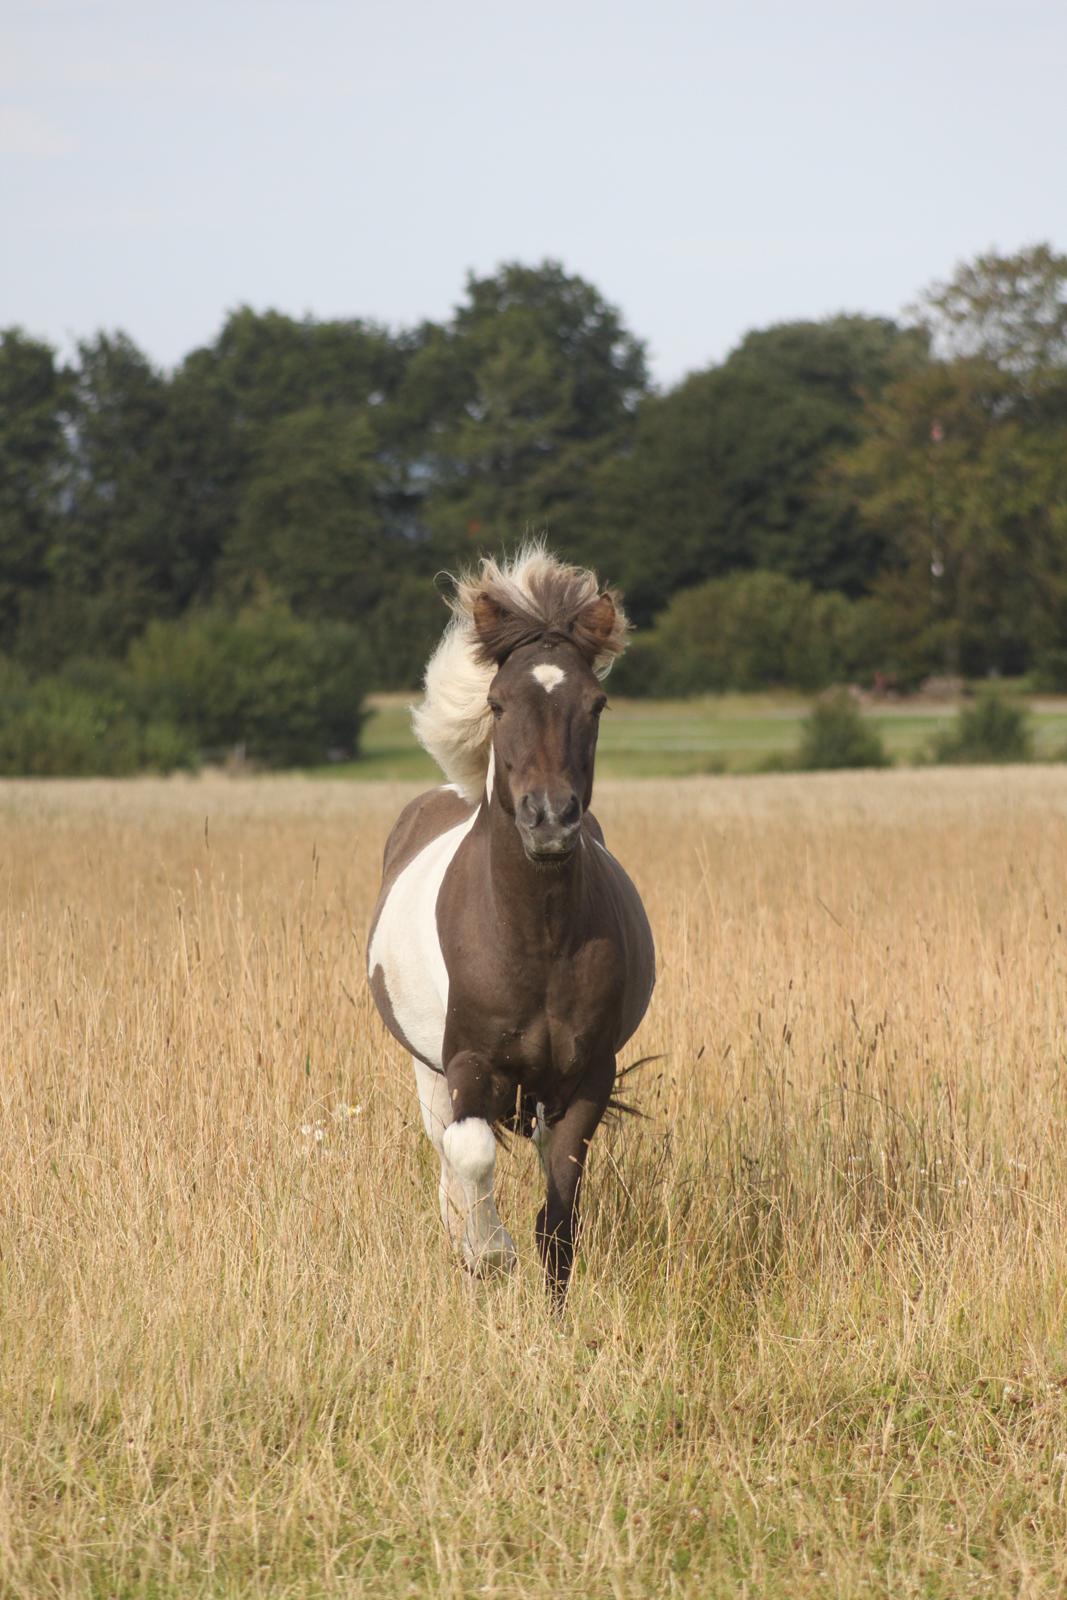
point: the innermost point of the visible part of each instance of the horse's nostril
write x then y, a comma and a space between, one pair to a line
530, 811
571, 811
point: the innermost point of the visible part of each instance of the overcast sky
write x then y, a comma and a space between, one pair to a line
710, 167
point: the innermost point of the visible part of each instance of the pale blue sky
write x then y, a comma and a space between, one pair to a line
710, 167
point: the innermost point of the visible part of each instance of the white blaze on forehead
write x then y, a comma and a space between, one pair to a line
548, 677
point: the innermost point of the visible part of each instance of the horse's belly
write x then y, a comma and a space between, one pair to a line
405, 957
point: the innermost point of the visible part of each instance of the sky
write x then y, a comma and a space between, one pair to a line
710, 167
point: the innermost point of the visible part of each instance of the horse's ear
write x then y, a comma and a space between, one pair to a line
595, 626
493, 625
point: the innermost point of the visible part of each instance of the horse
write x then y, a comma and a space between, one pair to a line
509, 952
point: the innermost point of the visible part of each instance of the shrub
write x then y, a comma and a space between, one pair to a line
991, 731
742, 632
286, 690
53, 728
754, 630
836, 736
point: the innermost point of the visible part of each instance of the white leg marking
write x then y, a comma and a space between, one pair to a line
548, 676
436, 1116
470, 1151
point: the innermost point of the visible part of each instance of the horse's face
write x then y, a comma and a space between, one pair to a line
546, 703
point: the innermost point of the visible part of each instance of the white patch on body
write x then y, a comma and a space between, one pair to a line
548, 676
470, 1153
407, 948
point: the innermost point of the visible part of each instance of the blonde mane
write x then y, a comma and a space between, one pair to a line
454, 723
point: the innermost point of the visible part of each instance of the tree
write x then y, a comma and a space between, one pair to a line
727, 471
307, 520
32, 455
229, 399
601, 364
1009, 311
961, 475
112, 560
509, 407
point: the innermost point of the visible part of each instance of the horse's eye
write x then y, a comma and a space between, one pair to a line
496, 708
601, 705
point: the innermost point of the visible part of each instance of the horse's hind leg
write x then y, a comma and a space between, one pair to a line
476, 1098
436, 1109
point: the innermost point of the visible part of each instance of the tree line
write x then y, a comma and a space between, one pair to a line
858, 497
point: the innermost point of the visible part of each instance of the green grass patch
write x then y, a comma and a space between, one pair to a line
680, 738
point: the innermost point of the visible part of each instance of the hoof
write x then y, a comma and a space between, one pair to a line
492, 1259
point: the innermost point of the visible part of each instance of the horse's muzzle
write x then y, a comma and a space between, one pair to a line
549, 832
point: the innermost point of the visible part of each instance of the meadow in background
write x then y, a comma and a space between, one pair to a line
815, 1340
742, 733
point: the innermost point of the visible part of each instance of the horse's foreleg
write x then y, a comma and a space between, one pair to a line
436, 1108
475, 1096
563, 1149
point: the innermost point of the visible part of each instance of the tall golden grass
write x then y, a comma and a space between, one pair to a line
816, 1341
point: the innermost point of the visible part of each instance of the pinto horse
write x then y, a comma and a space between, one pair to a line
509, 953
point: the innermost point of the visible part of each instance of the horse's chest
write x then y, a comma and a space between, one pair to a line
539, 1017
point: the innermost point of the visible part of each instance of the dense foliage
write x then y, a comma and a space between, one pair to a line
59, 727
843, 499
261, 685
753, 630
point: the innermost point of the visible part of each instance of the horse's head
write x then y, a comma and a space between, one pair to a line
546, 702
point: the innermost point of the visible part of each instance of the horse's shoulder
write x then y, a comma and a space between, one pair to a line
422, 820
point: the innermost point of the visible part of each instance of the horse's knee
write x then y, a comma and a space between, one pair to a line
469, 1148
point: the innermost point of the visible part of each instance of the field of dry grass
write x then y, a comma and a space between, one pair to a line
816, 1344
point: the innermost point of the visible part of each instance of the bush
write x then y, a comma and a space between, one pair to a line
753, 630
991, 731
743, 632
287, 691
52, 728
836, 736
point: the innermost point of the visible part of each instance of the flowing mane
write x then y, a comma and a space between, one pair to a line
530, 596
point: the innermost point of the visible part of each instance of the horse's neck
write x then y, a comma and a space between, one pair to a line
538, 906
